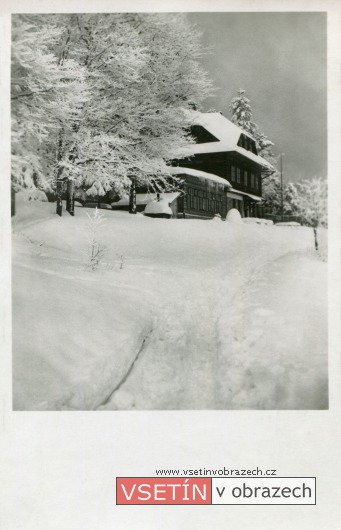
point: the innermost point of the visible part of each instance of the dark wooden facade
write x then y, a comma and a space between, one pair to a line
202, 198
243, 174
199, 197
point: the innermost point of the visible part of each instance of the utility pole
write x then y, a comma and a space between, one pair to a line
282, 154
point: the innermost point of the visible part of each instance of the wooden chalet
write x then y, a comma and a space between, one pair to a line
221, 171
222, 150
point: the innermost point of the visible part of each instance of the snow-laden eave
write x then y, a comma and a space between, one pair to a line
196, 173
228, 134
253, 197
255, 158
221, 147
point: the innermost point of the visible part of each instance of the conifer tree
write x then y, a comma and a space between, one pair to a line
241, 113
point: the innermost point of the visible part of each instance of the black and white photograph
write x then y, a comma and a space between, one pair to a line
170, 259
169, 211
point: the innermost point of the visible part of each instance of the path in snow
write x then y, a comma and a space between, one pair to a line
276, 347
262, 344
177, 369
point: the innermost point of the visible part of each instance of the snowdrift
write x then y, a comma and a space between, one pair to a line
147, 330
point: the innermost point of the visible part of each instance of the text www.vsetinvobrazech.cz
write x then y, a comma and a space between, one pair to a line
222, 472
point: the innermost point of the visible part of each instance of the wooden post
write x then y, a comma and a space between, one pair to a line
316, 238
60, 186
282, 206
70, 197
12, 202
132, 196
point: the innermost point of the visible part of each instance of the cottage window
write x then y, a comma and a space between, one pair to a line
233, 172
253, 147
252, 180
245, 177
238, 175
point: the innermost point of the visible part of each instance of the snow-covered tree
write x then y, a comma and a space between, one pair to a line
100, 99
264, 146
311, 200
45, 94
271, 191
272, 194
291, 200
312, 196
241, 113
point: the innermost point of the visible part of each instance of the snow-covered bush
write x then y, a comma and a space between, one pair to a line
233, 216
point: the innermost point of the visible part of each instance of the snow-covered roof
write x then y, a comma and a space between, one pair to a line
228, 135
145, 198
158, 207
197, 173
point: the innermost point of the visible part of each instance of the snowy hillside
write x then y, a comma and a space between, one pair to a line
181, 314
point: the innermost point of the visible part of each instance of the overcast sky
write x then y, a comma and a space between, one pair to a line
280, 60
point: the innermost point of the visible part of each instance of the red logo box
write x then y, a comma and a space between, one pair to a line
163, 490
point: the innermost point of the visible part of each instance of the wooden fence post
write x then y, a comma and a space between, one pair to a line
70, 197
132, 196
60, 186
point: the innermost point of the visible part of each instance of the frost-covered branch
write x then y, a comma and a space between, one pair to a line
75, 69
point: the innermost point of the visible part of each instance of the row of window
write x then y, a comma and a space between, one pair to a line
211, 185
205, 204
248, 179
201, 193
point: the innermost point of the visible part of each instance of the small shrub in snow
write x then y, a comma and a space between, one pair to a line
217, 217
95, 248
257, 220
